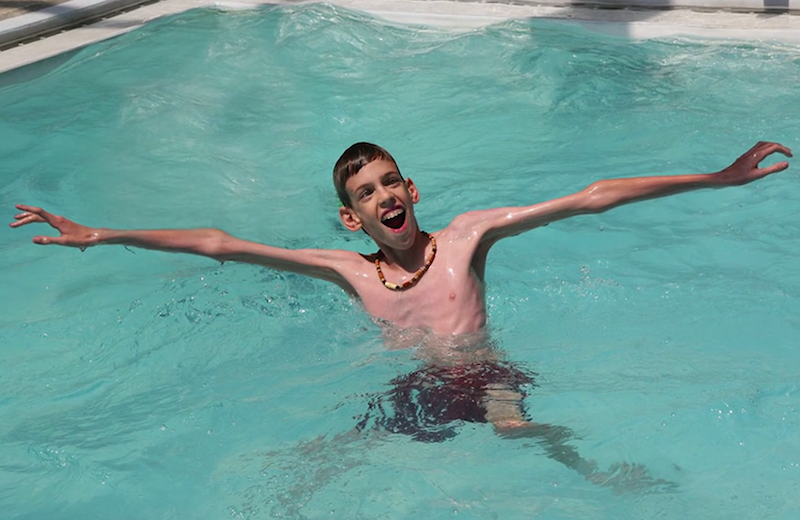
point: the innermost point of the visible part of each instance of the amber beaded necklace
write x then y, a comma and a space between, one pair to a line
414, 279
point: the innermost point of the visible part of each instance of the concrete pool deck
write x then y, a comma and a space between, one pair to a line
35, 30
12, 8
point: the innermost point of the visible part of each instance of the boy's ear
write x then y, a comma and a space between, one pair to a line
412, 189
349, 218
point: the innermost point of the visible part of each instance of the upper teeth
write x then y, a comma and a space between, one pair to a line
392, 214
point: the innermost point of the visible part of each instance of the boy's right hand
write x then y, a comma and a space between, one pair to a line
72, 234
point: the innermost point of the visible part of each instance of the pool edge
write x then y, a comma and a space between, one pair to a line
783, 26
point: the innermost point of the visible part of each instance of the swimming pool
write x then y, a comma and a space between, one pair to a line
139, 384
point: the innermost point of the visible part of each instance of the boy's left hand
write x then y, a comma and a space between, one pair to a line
745, 169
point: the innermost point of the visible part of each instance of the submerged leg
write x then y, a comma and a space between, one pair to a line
504, 410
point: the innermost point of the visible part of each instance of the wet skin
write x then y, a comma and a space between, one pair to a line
448, 300
446, 307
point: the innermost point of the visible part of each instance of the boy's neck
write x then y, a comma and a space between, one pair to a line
409, 259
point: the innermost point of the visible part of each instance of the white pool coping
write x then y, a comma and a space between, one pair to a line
769, 25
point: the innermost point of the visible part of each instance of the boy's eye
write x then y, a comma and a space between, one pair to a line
364, 194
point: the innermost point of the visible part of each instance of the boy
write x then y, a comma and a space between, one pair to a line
431, 282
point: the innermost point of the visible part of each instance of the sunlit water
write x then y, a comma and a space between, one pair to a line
137, 384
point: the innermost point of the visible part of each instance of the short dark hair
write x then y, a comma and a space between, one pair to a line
351, 161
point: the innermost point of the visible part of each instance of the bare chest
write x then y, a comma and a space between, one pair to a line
448, 299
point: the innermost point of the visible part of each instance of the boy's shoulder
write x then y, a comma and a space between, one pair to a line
468, 223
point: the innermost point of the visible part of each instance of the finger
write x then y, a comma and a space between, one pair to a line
25, 218
763, 149
779, 167
30, 209
46, 217
776, 147
29, 216
45, 241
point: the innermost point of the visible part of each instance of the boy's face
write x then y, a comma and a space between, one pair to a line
382, 204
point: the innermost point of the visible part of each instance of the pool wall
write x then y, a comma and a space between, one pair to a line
770, 20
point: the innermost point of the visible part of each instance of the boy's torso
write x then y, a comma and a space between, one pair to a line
447, 300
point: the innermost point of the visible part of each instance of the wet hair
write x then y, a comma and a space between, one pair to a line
351, 161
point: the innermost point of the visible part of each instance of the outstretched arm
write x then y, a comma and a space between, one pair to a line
213, 243
603, 195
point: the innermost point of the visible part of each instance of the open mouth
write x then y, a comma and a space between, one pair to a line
394, 219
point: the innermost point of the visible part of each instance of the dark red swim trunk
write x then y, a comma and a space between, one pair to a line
425, 403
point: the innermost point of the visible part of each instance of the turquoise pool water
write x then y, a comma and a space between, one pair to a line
139, 385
